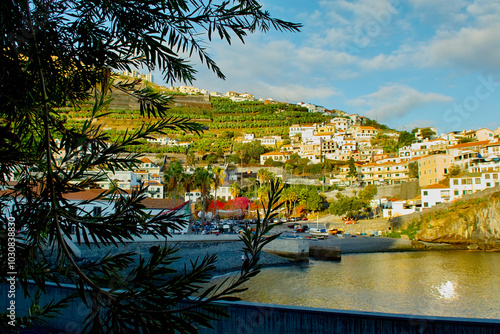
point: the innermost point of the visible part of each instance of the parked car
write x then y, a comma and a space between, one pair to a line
301, 228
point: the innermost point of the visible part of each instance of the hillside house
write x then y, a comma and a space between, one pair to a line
433, 168
434, 194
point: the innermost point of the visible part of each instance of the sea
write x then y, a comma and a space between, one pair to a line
463, 284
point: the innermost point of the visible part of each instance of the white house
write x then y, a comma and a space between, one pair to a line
468, 183
434, 194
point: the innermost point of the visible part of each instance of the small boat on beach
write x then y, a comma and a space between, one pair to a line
314, 232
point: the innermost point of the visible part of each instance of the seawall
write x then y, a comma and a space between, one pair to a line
251, 318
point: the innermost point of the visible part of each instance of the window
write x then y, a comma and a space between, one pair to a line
463, 181
495, 176
456, 193
478, 180
488, 184
426, 193
455, 182
469, 181
426, 204
96, 211
487, 176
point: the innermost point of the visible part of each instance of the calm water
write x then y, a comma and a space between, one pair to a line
457, 284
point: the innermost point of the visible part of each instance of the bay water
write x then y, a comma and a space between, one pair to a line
435, 283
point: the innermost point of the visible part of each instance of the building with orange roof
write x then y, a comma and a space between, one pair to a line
275, 156
480, 135
361, 132
434, 194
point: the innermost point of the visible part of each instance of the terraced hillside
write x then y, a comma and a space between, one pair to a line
223, 118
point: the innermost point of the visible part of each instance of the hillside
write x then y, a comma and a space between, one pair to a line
219, 115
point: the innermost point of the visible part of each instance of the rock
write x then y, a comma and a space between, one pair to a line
473, 247
418, 245
404, 236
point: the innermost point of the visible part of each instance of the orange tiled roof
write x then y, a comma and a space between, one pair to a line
471, 144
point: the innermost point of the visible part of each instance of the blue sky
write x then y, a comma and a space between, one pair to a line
406, 64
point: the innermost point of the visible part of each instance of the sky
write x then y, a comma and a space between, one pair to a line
405, 64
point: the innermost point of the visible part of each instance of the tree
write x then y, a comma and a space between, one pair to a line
289, 197
353, 172
406, 139
345, 205
367, 193
314, 201
264, 176
413, 169
203, 179
427, 133
56, 55
234, 190
173, 175
464, 140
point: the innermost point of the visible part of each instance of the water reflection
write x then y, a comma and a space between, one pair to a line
458, 284
447, 290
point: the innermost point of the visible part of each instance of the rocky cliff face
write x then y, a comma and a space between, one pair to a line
476, 221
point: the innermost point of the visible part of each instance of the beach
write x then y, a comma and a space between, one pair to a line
229, 252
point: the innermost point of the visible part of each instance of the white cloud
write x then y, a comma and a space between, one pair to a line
290, 92
396, 101
469, 48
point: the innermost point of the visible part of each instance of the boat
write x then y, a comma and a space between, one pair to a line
316, 232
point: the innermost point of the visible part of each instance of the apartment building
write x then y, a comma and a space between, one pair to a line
433, 168
384, 173
360, 132
468, 183
341, 123
480, 135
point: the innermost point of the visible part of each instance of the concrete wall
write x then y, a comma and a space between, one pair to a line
251, 318
295, 249
248, 318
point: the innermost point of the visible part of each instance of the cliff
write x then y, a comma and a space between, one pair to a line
474, 221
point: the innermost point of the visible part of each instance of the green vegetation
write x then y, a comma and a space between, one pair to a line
351, 206
225, 116
410, 231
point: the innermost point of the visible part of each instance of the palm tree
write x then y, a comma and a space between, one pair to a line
218, 180
235, 190
262, 193
203, 180
172, 176
188, 182
264, 175
289, 197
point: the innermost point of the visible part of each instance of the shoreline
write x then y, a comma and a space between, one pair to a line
226, 264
